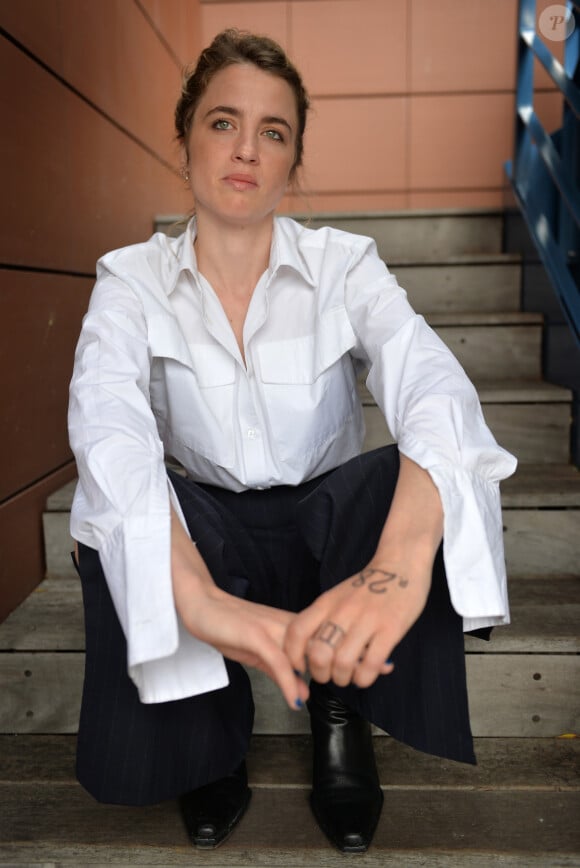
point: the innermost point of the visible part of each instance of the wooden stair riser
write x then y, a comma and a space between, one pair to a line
542, 542
513, 764
41, 693
538, 542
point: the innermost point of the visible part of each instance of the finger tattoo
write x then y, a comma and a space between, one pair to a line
330, 633
378, 586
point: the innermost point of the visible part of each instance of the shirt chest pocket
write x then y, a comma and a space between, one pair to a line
192, 390
301, 361
309, 386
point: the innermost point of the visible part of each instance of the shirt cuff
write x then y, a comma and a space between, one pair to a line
473, 549
164, 661
473, 543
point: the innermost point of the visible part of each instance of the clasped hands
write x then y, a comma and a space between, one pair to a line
349, 632
346, 635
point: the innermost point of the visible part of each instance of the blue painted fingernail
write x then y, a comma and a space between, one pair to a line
389, 662
298, 673
299, 703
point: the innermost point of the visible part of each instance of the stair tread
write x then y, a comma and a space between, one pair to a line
464, 828
521, 391
473, 258
285, 761
542, 485
434, 809
504, 392
490, 392
479, 318
545, 615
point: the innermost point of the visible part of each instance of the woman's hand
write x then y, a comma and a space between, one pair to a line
347, 635
246, 632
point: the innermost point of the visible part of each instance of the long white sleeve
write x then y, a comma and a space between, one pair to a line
434, 414
121, 506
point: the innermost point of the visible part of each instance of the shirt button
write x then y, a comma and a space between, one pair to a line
251, 433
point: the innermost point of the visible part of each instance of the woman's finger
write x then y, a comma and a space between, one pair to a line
313, 625
275, 664
373, 663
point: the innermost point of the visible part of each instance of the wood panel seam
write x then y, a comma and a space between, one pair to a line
61, 80
4, 501
159, 34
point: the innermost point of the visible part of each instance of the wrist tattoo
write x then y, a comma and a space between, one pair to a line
378, 586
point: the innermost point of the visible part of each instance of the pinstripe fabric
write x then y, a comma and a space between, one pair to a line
424, 701
282, 547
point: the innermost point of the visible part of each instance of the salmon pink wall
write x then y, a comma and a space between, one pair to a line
413, 100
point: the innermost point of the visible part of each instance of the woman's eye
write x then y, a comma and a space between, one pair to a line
275, 135
222, 125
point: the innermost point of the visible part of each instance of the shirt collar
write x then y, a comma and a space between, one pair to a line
283, 252
184, 256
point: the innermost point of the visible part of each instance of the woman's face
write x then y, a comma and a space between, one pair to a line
242, 145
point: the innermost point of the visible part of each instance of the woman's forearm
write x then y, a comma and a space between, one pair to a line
243, 631
414, 526
189, 572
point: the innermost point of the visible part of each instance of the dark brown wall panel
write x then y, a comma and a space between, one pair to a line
21, 540
83, 187
39, 327
115, 59
83, 169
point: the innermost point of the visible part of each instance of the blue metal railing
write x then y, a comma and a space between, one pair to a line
545, 171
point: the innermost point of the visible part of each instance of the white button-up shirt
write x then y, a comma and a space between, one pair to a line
158, 373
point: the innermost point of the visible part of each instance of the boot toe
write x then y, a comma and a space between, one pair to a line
348, 820
212, 812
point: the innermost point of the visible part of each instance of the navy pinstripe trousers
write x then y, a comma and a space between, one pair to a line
282, 546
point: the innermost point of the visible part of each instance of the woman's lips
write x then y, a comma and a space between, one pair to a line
241, 182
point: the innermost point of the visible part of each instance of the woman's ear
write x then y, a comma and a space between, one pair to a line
183, 162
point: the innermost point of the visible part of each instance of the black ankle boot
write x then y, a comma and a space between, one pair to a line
346, 797
211, 813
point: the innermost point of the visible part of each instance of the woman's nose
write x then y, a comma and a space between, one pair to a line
246, 150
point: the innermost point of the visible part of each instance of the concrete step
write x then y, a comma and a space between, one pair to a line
526, 681
419, 236
543, 486
535, 433
486, 284
407, 235
490, 351
529, 418
517, 808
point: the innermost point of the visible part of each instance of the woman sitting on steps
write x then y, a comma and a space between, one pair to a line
235, 350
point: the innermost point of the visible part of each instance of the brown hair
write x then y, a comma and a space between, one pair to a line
235, 46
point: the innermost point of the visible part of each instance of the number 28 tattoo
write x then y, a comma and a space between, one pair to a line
378, 586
